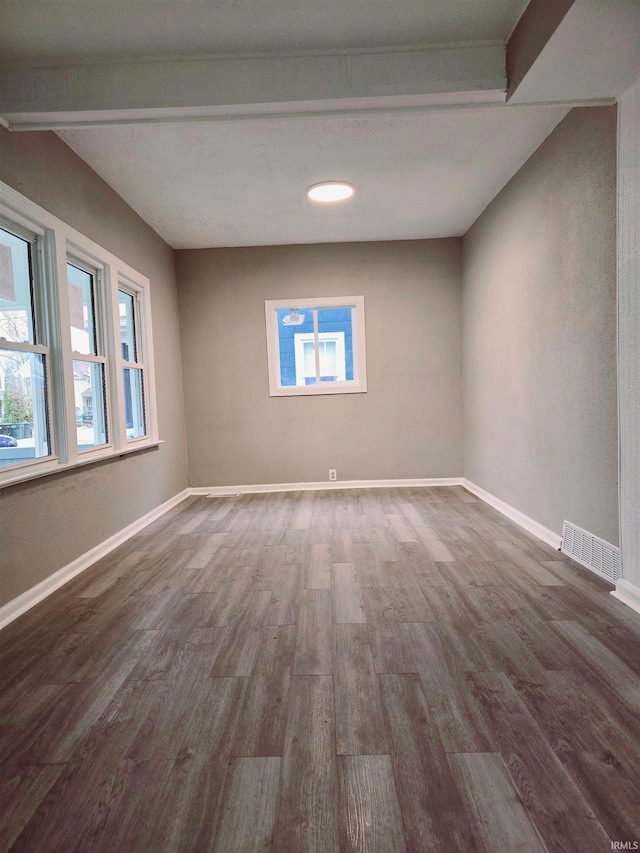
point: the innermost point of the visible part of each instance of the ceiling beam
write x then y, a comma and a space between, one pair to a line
100, 93
574, 51
537, 25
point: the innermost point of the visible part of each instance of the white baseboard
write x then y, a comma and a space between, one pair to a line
515, 515
32, 596
628, 594
222, 491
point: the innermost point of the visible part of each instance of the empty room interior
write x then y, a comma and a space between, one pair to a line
319, 438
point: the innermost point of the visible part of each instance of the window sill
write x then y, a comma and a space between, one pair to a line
318, 390
36, 472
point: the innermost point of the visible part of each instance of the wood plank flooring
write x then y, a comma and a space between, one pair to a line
378, 670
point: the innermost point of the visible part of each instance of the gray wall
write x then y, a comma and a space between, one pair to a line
539, 355
47, 523
408, 424
540, 333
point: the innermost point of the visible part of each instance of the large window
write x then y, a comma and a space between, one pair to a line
24, 407
76, 367
316, 346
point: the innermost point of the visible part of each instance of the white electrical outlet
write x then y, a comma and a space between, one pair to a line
333, 475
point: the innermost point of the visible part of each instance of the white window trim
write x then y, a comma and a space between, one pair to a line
357, 385
59, 242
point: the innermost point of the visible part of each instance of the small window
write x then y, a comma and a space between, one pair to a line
89, 363
133, 366
316, 346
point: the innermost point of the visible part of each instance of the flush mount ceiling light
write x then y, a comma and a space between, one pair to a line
330, 191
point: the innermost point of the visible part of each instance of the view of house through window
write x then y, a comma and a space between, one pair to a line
317, 345
23, 391
305, 362
332, 358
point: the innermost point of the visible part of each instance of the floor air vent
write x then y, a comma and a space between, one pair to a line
596, 554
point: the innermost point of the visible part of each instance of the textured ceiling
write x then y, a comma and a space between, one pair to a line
63, 30
237, 183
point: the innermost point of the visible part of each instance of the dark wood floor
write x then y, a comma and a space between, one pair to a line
382, 670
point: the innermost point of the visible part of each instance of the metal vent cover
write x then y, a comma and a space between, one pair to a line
591, 552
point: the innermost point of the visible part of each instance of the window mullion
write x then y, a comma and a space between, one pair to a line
137, 327
62, 381
105, 346
46, 307
316, 348
118, 363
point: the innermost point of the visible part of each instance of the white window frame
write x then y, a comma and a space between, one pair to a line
127, 286
54, 244
79, 258
357, 385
